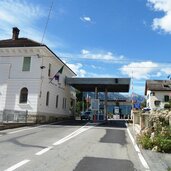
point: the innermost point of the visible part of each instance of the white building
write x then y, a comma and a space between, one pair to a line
158, 93
26, 68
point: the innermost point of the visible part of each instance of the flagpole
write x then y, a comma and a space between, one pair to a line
132, 90
57, 74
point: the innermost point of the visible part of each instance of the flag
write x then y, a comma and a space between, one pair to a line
56, 76
61, 70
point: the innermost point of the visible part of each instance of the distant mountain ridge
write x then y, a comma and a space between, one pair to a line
118, 96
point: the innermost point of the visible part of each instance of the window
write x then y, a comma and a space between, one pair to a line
57, 101
157, 103
152, 94
64, 103
47, 99
23, 95
166, 98
26, 63
166, 86
49, 70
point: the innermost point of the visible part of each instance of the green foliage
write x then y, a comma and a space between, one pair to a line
145, 141
160, 140
80, 105
169, 169
163, 144
143, 104
79, 95
167, 106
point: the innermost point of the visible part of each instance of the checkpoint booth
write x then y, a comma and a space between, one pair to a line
99, 85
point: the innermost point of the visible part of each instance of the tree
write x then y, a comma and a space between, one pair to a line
81, 102
143, 104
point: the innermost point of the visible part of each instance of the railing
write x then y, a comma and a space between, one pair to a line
13, 116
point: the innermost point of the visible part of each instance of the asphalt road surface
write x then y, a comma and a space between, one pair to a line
70, 146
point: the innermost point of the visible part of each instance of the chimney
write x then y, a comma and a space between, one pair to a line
15, 33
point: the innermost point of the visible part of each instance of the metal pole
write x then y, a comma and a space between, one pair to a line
83, 102
132, 113
105, 104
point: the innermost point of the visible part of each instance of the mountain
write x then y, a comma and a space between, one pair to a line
117, 96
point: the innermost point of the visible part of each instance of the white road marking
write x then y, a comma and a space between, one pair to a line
144, 163
17, 165
43, 151
73, 134
13, 132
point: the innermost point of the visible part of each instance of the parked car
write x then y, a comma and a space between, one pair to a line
146, 109
86, 115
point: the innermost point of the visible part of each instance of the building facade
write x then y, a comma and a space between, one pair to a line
158, 93
30, 81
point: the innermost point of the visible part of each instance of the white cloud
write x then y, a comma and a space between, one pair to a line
84, 52
26, 16
166, 70
139, 70
101, 55
159, 74
96, 67
97, 75
77, 68
163, 23
17, 13
85, 19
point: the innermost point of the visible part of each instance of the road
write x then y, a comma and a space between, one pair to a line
70, 146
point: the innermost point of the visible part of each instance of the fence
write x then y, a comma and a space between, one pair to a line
142, 119
13, 116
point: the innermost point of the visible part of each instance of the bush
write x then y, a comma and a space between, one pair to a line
145, 141
167, 106
161, 140
163, 144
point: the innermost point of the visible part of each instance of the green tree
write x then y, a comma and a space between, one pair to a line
143, 104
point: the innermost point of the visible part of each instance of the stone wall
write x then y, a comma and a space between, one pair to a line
148, 119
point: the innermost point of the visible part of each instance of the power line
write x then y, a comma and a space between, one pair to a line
47, 22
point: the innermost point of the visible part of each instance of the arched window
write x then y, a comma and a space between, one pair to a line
23, 95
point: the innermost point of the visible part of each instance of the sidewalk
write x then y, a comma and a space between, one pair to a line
156, 161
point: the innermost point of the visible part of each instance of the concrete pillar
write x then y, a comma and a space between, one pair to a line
96, 93
96, 97
105, 105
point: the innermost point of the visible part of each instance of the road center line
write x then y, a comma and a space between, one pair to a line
17, 165
73, 134
13, 132
144, 163
43, 151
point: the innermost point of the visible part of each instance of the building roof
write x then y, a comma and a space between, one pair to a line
89, 84
15, 41
20, 42
158, 85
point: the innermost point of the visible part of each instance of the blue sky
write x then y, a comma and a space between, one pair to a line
99, 38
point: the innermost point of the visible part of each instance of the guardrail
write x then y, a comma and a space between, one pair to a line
13, 116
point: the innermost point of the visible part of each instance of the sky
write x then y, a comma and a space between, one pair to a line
98, 38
